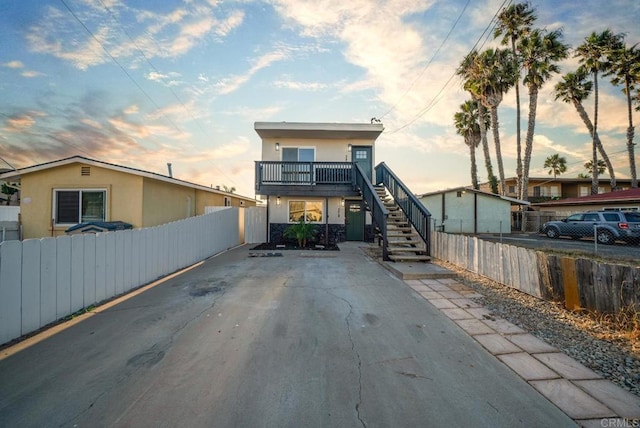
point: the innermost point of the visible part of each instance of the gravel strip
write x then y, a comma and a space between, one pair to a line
575, 334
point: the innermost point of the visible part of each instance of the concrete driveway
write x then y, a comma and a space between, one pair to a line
306, 339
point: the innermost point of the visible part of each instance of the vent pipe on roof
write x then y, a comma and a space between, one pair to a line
169, 168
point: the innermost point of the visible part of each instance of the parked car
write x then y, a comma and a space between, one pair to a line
611, 226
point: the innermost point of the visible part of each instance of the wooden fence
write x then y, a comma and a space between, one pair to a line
576, 282
44, 280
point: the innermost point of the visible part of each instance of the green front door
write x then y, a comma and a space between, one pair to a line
354, 219
362, 156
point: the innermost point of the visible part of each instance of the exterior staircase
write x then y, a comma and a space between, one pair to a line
403, 243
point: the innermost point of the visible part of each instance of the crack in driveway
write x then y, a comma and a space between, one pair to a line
355, 352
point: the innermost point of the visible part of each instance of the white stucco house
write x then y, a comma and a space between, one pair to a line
308, 172
465, 210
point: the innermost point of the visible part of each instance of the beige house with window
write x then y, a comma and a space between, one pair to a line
57, 195
308, 172
548, 188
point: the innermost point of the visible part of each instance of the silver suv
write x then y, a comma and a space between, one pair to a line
611, 226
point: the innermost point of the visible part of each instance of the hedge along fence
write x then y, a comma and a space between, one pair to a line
43, 280
576, 282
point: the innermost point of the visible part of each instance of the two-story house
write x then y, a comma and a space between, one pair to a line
308, 172
548, 188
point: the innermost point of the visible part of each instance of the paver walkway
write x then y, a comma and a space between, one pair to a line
578, 391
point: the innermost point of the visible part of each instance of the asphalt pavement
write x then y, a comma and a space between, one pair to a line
313, 339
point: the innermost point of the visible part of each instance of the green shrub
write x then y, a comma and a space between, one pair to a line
301, 231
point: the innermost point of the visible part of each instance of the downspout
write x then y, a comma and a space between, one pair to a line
268, 219
443, 213
326, 223
475, 213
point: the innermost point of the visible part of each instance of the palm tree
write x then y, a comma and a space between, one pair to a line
498, 74
540, 52
625, 69
592, 55
470, 73
589, 167
575, 88
514, 22
557, 164
9, 189
466, 121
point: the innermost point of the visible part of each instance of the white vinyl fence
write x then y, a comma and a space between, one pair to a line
9, 213
255, 225
44, 280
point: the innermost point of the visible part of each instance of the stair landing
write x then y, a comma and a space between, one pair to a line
419, 270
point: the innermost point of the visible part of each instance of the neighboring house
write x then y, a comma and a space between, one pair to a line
57, 195
465, 210
625, 200
549, 188
308, 172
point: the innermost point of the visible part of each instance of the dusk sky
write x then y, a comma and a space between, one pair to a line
141, 83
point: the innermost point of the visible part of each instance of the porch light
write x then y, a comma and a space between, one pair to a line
349, 148
278, 198
277, 146
342, 202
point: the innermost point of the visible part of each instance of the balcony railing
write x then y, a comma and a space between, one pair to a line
327, 174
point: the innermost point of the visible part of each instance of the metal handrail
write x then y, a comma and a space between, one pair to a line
416, 213
379, 212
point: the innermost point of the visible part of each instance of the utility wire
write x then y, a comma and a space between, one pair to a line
124, 70
142, 54
435, 99
127, 73
429, 62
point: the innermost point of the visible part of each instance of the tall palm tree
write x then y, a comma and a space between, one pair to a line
469, 70
514, 23
589, 167
557, 164
592, 53
466, 122
498, 74
625, 69
575, 88
541, 52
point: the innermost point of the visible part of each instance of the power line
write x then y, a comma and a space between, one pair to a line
124, 30
435, 99
429, 62
129, 75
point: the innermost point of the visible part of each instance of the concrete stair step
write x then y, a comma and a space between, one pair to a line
394, 233
395, 229
403, 243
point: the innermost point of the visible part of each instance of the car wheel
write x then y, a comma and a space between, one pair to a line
552, 232
605, 237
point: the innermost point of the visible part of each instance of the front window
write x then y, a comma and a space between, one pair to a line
307, 211
298, 154
79, 206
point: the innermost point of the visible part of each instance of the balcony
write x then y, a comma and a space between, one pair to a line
305, 178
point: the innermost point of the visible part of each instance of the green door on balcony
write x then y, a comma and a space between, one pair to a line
354, 219
362, 156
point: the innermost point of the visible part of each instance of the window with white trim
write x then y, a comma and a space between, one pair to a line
308, 211
73, 206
